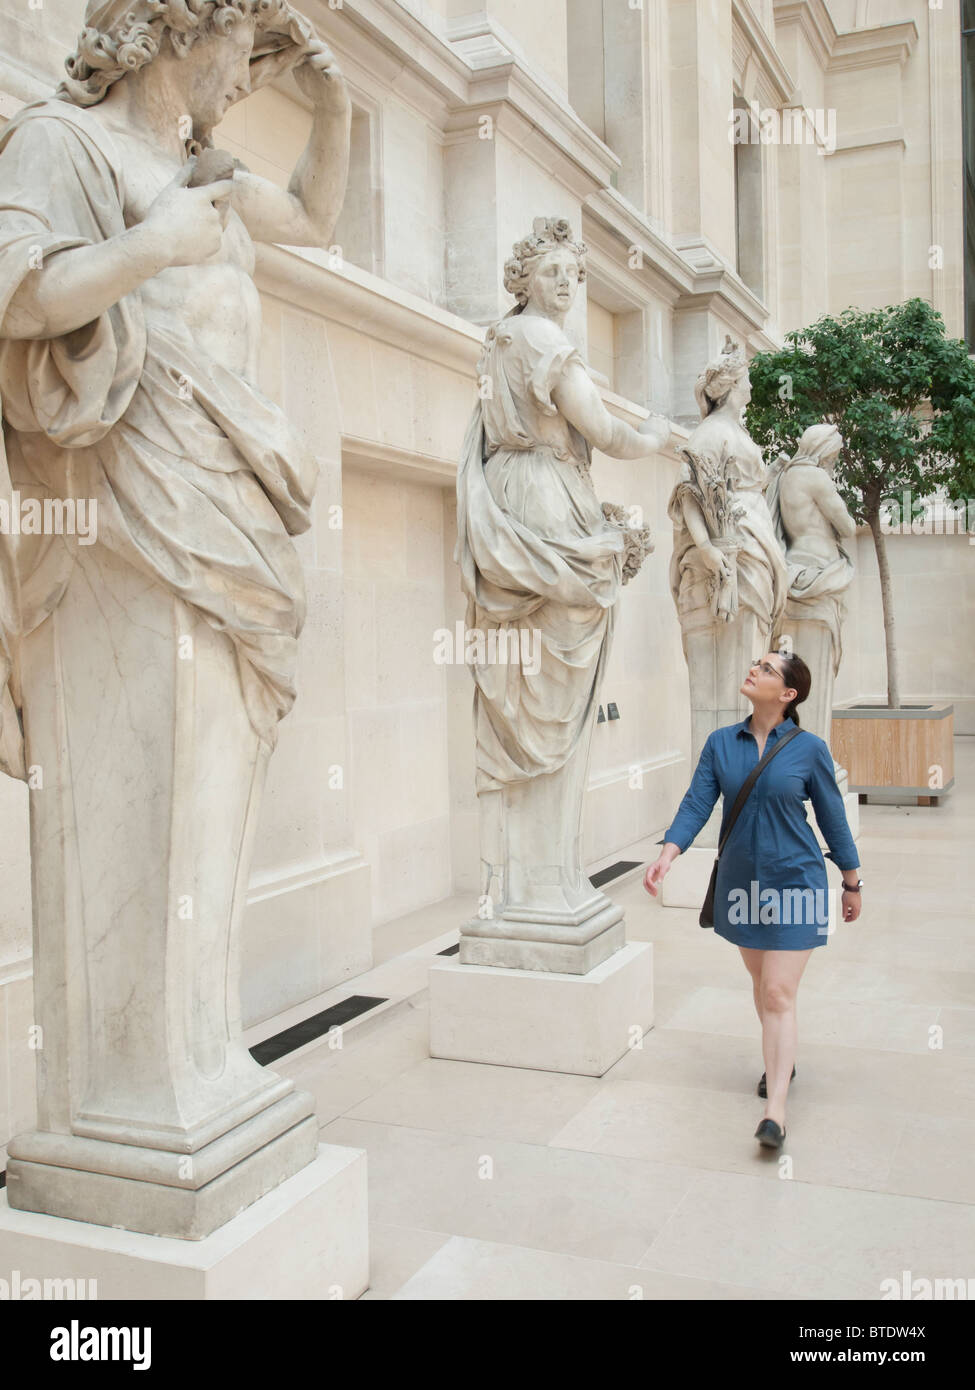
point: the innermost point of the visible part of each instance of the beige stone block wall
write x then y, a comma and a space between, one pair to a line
933, 579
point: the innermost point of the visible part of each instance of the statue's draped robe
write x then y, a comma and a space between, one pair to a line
817, 589
197, 478
535, 553
761, 571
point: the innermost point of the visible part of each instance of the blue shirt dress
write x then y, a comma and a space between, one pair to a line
771, 892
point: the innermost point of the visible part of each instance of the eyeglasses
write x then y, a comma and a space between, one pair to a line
769, 670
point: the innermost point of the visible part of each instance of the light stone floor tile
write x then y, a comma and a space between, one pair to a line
475, 1098
341, 1078
599, 1206
959, 1031
395, 1255
841, 1146
821, 1242
934, 1083
465, 1269
851, 1023
882, 980
936, 1158
900, 946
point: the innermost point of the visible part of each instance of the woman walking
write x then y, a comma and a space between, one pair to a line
771, 894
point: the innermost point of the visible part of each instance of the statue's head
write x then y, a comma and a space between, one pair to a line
724, 381
819, 445
546, 268
214, 41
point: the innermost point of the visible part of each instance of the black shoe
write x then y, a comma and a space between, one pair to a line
762, 1088
769, 1135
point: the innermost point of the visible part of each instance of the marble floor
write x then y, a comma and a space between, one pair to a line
497, 1183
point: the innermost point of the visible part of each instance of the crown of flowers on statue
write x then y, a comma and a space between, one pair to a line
547, 234
720, 375
121, 36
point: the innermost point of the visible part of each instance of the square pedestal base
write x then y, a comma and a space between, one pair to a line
580, 1024
308, 1239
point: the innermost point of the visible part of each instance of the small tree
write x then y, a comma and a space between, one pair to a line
902, 395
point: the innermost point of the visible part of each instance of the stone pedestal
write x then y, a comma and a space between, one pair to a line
151, 1113
718, 658
813, 641
540, 912
308, 1239
580, 1024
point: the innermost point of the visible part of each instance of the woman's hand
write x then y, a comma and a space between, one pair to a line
851, 905
655, 873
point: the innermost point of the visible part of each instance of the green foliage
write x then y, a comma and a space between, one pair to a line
901, 393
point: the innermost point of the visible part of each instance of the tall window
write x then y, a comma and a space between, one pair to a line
749, 212
968, 138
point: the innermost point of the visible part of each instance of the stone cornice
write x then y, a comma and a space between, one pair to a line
760, 45
868, 48
473, 69
666, 269
871, 139
855, 48
368, 304
815, 21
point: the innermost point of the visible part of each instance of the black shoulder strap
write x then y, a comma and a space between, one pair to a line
750, 781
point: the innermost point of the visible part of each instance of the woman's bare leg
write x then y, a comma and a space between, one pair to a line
781, 973
753, 964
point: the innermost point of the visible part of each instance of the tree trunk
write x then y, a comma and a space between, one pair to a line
887, 600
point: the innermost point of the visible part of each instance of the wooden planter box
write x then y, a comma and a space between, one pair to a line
896, 750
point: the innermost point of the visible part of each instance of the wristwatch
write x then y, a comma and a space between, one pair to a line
848, 888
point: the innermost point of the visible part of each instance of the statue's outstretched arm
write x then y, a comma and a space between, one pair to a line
579, 401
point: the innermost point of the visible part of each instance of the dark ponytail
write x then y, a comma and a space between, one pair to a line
796, 675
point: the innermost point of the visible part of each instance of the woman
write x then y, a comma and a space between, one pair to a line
771, 893
539, 560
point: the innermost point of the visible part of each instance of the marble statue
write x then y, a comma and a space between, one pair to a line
812, 523
144, 674
727, 572
539, 555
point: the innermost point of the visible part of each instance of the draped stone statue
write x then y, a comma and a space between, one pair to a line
815, 530
727, 572
541, 564
145, 666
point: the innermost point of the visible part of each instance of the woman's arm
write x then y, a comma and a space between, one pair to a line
831, 813
698, 801
692, 815
579, 401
